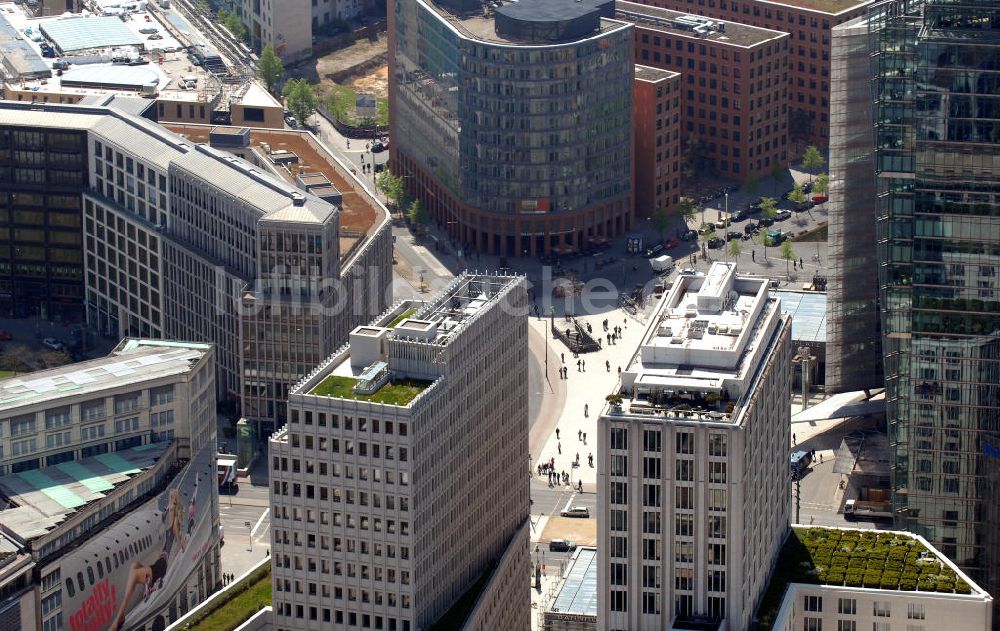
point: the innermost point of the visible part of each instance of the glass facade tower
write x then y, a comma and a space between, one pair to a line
515, 144
936, 93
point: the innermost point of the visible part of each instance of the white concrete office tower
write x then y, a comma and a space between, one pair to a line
107, 466
693, 477
399, 482
182, 241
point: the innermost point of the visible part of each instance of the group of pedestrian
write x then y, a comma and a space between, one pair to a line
227, 578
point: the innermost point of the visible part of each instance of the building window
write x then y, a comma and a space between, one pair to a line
716, 444
880, 609
848, 606
915, 611
847, 625
619, 438
813, 603
812, 624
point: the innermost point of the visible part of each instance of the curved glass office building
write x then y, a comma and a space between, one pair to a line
512, 123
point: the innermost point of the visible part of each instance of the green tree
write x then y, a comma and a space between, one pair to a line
417, 214
300, 99
788, 254
764, 240
270, 69
768, 207
392, 186
797, 196
661, 221
688, 210
812, 159
232, 22
734, 248
822, 184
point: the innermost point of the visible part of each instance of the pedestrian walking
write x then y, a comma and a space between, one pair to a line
579, 434
559, 446
609, 339
793, 439
584, 365
607, 364
586, 409
557, 432
619, 371
562, 356
753, 255
585, 438
800, 262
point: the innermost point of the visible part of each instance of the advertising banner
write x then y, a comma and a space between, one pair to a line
126, 577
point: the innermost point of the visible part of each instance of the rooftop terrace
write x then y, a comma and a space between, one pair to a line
396, 392
648, 73
870, 559
703, 347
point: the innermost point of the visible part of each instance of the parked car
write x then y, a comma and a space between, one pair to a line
5, 335
155, 36
819, 199
53, 344
148, 30
291, 122
776, 237
766, 221
575, 511
733, 235
561, 545
690, 235
782, 215
706, 228
740, 215
716, 243
751, 228
670, 243
653, 252
688, 271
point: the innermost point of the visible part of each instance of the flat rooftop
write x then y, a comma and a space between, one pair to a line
648, 73
476, 26
135, 361
448, 311
677, 24
808, 311
703, 345
358, 212
873, 559
261, 190
78, 34
578, 590
41, 499
833, 7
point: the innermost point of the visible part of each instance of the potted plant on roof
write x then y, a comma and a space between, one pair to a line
615, 400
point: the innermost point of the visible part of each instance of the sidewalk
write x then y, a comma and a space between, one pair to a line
586, 387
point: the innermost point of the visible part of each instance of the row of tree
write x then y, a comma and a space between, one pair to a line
299, 95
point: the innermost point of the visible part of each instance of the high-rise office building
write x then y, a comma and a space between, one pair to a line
182, 241
693, 478
398, 484
936, 94
109, 491
854, 340
513, 124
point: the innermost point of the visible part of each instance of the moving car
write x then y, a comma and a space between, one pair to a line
688, 271
670, 243
690, 235
766, 221
561, 545
776, 237
733, 235
740, 215
782, 215
575, 511
751, 228
706, 228
377, 146
716, 243
653, 252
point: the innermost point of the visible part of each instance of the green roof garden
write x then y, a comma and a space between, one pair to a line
856, 558
229, 609
397, 392
406, 314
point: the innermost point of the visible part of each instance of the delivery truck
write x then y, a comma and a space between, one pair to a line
662, 264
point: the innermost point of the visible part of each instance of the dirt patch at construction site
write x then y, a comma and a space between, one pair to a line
375, 83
